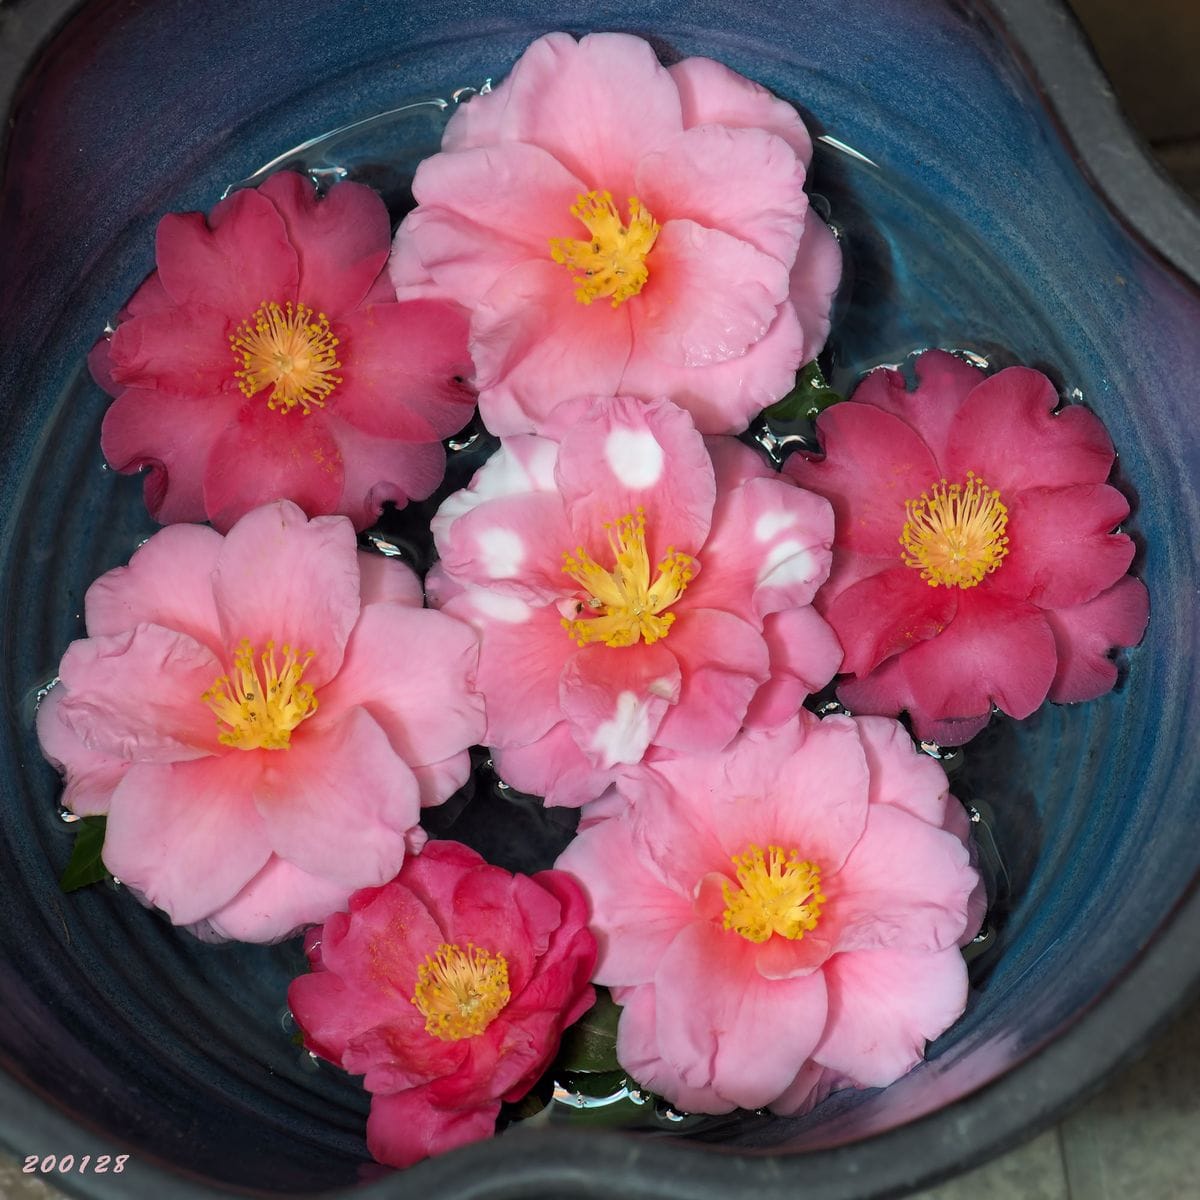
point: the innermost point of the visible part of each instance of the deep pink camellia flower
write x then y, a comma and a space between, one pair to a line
267, 359
781, 918
976, 561
616, 227
448, 989
634, 588
260, 716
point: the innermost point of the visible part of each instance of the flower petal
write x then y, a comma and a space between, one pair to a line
615, 699
404, 1127
711, 94
1086, 633
873, 464
1061, 548
179, 351
813, 283
483, 211
403, 370
995, 649
341, 241
185, 835
720, 1023
534, 345
385, 580
338, 801
553, 767
622, 455
887, 614
279, 900
174, 437
597, 105
265, 456
769, 549
233, 261
745, 182
377, 470
168, 582
902, 776
723, 661
1008, 433
283, 578
709, 298
634, 916
412, 670
723, 397
884, 1006
904, 887
805, 655
136, 695
91, 775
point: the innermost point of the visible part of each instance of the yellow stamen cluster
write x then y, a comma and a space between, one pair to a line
459, 992
633, 604
258, 706
778, 894
954, 535
612, 262
282, 344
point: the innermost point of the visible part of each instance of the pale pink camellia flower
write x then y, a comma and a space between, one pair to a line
266, 358
976, 561
781, 918
448, 989
260, 716
616, 227
634, 588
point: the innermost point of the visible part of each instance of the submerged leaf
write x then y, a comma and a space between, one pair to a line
811, 395
591, 1043
86, 866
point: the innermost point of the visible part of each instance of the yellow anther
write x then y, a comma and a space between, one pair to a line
612, 261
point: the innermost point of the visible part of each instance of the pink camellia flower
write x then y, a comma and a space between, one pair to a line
616, 227
267, 359
449, 990
975, 561
633, 588
260, 716
783, 917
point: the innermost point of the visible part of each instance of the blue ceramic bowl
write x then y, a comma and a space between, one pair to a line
968, 221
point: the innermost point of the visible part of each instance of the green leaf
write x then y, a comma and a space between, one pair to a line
811, 395
591, 1043
85, 866
596, 1084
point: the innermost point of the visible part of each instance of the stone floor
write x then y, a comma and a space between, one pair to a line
1138, 1139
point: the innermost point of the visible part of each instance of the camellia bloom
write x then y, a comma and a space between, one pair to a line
975, 561
267, 359
633, 588
616, 227
260, 716
448, 989
783, 917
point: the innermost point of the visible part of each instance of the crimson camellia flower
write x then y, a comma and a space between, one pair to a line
615, 226
975, 559
448, 989
267, 359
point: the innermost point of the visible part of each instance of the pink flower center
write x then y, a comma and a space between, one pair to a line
778, 894
281, 345
260, 704
633, 604
459, 992
612, 262
955, 535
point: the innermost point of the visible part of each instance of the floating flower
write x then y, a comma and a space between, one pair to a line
782, 917
975, 561
266, 359
448, 989
618, 227
633, 588
260, 716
